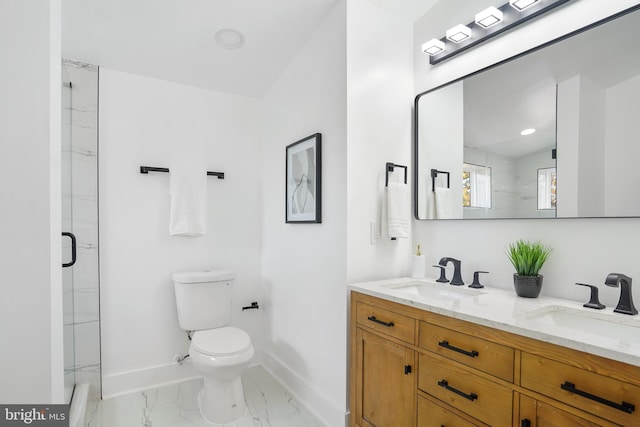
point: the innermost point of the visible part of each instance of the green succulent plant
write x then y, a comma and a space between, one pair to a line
528, 257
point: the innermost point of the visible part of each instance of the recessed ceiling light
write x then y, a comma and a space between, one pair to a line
527, 132
230, 38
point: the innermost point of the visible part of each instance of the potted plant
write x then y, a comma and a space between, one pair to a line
527, 258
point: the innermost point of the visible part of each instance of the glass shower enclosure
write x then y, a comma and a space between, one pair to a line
80, 268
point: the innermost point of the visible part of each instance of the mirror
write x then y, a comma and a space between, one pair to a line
580, 94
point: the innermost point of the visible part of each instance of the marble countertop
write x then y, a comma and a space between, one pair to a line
558, 321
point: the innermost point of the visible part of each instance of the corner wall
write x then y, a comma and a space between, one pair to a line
304, 265
379, 104
582, 252
30, 259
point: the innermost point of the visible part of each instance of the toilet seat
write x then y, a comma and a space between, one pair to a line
227, 341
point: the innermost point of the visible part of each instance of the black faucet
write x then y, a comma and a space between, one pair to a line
625, 304
457, 277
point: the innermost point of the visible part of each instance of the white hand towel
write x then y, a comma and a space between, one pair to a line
444, 206
431, 205
398, 210
188, 189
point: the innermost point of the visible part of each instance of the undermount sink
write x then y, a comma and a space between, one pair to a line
434, 290
588, 322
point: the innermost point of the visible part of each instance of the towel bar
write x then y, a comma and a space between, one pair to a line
147, 169
389, 168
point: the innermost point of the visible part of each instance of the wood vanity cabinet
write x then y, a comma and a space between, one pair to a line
385, 378
414, 368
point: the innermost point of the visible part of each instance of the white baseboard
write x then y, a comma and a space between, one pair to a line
321, 407
115, 385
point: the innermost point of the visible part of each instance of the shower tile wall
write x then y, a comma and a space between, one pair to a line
80, 216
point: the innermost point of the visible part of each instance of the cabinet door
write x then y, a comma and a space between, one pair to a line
534, 413
385, 382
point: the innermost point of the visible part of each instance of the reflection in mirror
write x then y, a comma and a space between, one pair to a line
497, 132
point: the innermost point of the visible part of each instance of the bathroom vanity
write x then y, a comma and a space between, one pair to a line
429, 354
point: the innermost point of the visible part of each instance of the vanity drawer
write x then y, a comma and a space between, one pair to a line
594, 393
433, 414
482, 399
387, 322
486, 356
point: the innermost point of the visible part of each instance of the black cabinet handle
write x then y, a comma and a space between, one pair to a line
73, 249
446, 344
525, 423
387, 324
624, 407
407, 369
445, 384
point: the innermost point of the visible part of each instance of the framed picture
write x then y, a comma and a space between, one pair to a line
303, 180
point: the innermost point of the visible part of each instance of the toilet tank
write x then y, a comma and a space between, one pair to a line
203, 298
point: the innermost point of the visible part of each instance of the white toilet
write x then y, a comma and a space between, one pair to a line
220, 353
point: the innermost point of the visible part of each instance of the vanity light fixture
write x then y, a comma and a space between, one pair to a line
433, 47
459, 33
527, 132
489, 17
521, 5
487, 24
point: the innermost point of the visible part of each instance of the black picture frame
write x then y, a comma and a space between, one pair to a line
303, 180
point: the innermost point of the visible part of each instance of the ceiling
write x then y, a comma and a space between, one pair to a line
174, 40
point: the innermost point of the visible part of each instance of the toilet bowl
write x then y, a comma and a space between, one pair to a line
220, 353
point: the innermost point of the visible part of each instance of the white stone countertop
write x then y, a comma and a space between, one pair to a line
567, 323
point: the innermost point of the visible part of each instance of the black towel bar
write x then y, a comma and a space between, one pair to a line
434, 175
389, 168
147, 169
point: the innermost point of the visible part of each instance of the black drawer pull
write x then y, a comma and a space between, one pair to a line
625, 407
445, 384
407, 369
446, 344
525, 423
387, 324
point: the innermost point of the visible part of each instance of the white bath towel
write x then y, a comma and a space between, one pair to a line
444, 206
188, 189
398, 210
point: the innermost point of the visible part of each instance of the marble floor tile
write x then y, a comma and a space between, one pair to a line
269, 405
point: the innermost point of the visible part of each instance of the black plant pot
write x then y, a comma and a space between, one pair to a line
527, 286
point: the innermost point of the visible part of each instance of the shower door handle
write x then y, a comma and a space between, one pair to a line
73, 249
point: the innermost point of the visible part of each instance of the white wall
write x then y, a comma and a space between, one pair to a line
31, 365
304, 265
585, 250
380, 99
156, 123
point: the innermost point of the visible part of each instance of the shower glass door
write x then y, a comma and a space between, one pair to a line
80, 227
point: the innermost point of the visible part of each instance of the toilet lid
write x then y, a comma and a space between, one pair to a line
221, 341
